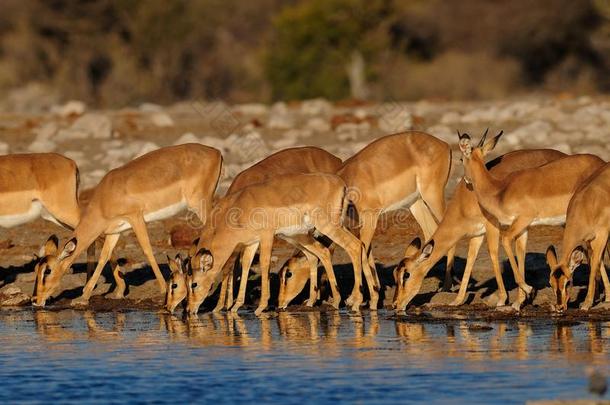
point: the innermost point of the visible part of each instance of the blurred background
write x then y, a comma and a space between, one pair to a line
113, 53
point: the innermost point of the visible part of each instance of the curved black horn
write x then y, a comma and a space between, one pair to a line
482, 141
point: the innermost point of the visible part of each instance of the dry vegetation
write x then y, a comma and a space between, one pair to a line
114, 53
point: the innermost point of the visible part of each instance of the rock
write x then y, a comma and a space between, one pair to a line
318, 124
70, 109
284, 143
443, 132
214, 143
150, 107
280, 122
396, 120
4, 148
42, 146
563, 147
248, 147
443, 298
92, 125
33, 98
161, 119
280, 117
46, 131
317, 106
10, 289
252, 109
181, 236
451, 117
11, 295
146, 148
480, 115
188, 137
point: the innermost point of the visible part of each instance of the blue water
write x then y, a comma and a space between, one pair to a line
73, 356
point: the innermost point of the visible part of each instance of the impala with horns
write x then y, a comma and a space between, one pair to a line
152, 187
409, 169
464, 219
306, 159
588, 224
536, 196
287, 205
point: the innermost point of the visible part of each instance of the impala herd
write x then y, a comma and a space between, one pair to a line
314, 201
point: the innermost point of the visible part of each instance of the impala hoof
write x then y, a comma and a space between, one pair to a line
79, 302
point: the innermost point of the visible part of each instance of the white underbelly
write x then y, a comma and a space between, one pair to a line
552, 221
35, 211
300, 229
405, 202
163, 213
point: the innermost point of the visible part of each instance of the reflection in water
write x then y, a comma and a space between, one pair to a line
508, 360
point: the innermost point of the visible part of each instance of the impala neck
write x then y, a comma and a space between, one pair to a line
485, 186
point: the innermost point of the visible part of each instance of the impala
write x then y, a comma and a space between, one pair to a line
154, 186
464, 218
306, 159
587, 223
409, 169
288, 205
535, 196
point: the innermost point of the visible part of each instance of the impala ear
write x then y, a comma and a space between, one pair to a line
464, 144
193, 248
179, 261
50, 246
551, 257
576, 258
413, 248
205, 259
488, 146
69, 248
426, 251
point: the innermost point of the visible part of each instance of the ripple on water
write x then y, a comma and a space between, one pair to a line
148, 357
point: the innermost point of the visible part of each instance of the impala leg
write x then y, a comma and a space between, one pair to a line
325, 258
266, 245
109, 244
366, 237
597, 250
119, 291
139, 228
312, 261
473, 250
353, 247
368, 223
90, 260
220, 305
493, 245
520, 247
507, 240
229, 299
247, 255
604, 273
323, 254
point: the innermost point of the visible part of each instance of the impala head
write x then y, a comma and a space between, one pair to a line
176, 285
293, 277
200, 280
561, 275
414, 254
475, 156
50, 268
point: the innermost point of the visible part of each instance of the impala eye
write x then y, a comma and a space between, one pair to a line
288, 274
174, 286
406, 275
194, 285
47, 272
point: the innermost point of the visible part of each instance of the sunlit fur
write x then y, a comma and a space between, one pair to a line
293, 275
176, 285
